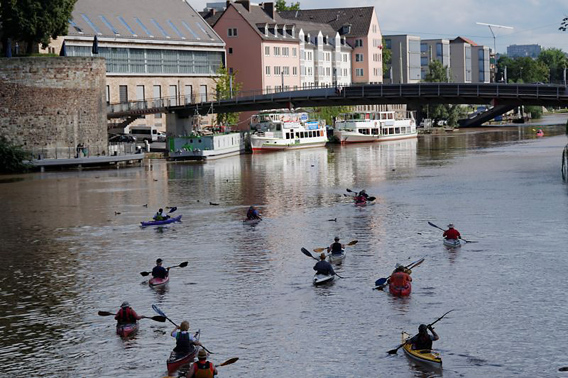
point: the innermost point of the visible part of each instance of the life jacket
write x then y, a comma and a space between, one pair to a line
183, 344
360, 199
400, 279
125, 316
336, 248
203, 369
422, 342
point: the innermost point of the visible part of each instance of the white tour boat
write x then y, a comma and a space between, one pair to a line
361, 127
205, 146
274, 131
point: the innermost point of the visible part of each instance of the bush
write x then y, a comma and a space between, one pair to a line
12, 157
535, 111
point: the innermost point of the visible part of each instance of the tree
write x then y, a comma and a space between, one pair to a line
387, 57
523, 70
556, 61
12, 157
437, 73
225, 88
35, 21
281, 6
329, 113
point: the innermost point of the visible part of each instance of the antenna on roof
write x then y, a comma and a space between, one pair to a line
491, 26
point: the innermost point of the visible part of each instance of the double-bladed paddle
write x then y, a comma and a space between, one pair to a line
352, 242
393, 351
439, 228
307, 253
160, 319
160, 312
228, 362
381, 282
182, 265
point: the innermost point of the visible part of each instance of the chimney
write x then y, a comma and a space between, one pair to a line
212, 12
244, 3
269, 9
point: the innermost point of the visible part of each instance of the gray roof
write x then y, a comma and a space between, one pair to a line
257, 16
164, 20
358, 18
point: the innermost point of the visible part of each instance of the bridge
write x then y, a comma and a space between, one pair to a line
503, 97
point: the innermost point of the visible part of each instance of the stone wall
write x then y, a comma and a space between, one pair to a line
50, 105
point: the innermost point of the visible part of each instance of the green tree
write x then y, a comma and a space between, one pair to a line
35, 21
329, 113
556, 61
281, 6
437, 73
387, 57
12, 157
523, 70
226, 87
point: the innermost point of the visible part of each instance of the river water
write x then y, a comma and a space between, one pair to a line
71, 245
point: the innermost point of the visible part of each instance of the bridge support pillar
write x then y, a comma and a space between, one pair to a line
176, 125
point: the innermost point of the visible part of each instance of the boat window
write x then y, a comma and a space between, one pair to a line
397, 130
287, 135
191, 141
199, 140
279, 127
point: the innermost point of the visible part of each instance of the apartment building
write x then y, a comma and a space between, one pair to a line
431, 50
460, 52
166, 53
519, 51
480, 64
404, 67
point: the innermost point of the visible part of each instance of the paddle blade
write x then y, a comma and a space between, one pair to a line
353, 242
158, 311
172, 209
307, 253
229, 361
380, 282
370, 199
105, 313
144, 274
393, 351
183, 264
161, 319
433, 225
320, 249
349, 190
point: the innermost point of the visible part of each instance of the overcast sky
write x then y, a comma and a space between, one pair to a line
534, 21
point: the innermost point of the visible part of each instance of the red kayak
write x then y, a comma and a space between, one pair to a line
177, 361
400, 291
158, 282
127, 330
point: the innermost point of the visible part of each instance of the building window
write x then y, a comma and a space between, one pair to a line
203, 93
286, 70
267, 50
230, 50
123, 93
358, 57
295, 71
276, 51
157, 93
276, 70
108, 94
188, 94
173, 95
267, 70
358, 43
327, 71
285, 51
232, 32
140, 95
294, 51
359, 72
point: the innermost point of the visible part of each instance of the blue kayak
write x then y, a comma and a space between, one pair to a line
165, 221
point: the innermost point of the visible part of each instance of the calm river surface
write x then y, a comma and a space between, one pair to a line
71, 245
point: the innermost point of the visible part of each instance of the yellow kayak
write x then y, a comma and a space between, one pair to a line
425, 356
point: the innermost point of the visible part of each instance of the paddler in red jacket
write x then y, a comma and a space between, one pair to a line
126, 315
451, 233
400, 277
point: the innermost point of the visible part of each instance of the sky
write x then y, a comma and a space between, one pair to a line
533, 21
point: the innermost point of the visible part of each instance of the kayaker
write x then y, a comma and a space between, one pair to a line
253, 213
423, 340
184, 339
324, 267
202, 368
400, 277
336, 248
126, 315
451, 233
159, 271
160, 215
363, 193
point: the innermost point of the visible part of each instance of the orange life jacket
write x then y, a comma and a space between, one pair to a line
203, 370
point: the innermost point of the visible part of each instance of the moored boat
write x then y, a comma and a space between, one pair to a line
274, 131
165, 221
320, 279
158, 282
424, 356
203, 147
360, 127
177, 361
337, 258
452, 243
400, 291
127, 330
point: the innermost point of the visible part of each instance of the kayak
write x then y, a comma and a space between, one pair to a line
252, 222
364, 203
320, 279
452, 243
425, 356
400, 291
165, 221
159, 282
127, 330
337, 258
177, 361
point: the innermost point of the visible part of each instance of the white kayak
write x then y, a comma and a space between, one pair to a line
320, 279
452, 243
337, 258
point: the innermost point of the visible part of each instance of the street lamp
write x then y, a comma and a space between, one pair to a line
491, 26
